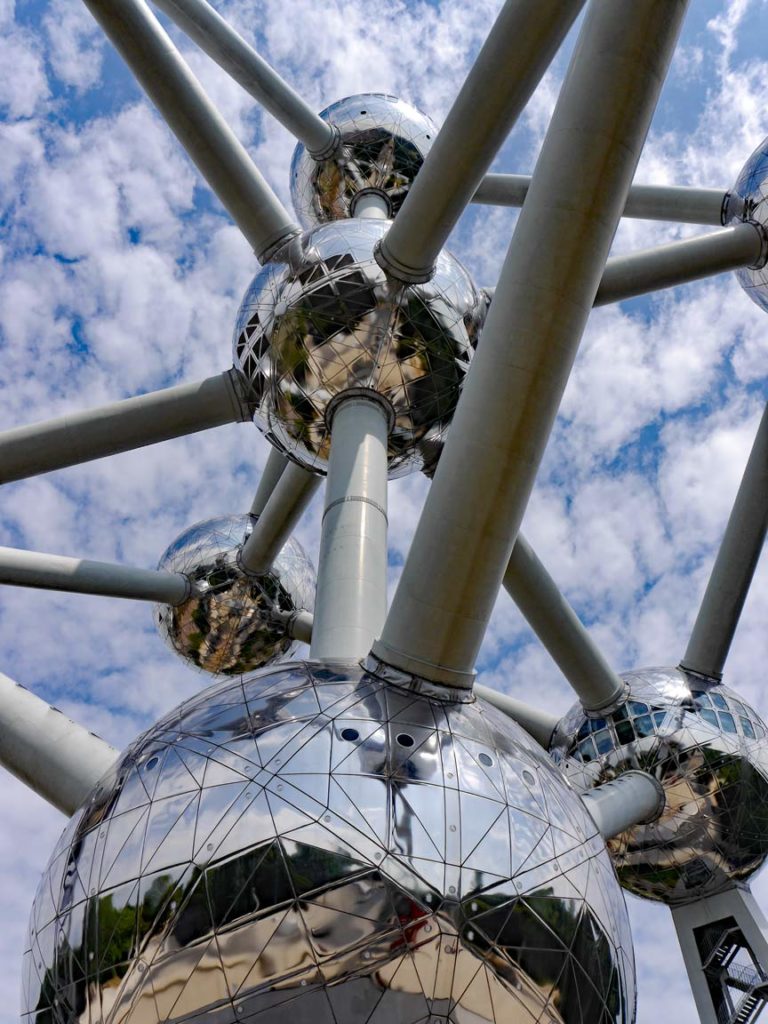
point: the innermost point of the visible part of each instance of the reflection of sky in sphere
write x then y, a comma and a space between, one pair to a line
309, 841
383, 144
329, 319
752, 187
707, 748
228, 624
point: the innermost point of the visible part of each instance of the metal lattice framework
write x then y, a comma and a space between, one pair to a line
366, 835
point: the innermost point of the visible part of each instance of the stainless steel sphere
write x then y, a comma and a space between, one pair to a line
328, 319
233, 622
748, 200
313, 845
708, 750
382, 145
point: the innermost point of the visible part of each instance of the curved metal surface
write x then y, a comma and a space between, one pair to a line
233, 621
310, 842
327, 319
748, 200
708, 750
382, 142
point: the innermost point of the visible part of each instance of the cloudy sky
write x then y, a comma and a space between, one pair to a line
119, 273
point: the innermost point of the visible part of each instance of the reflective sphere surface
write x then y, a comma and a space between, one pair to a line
328, 319
310, 844
708, 749
383, 142
752, 188
232, 622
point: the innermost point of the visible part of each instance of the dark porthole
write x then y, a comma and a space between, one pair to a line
151, 764
485, 759
529, 777
350, 734
405, 740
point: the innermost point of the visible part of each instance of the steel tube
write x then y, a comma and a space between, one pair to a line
209, 142
218, 39
681, 262
633, 798
517, 52
119, 427
734, 567
465, 536
282, 511
560, 630
273, 469
58, 759
82, 576
644, 202
351, 599
538, 724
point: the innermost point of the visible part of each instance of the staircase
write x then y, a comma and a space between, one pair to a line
739, 991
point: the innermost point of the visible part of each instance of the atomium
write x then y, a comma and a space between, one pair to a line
381, 146
327, 319
233, 621
707, 748
311, 841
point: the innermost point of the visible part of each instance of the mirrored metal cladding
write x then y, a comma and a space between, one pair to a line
233, 622
309, 843
751, 193
382, 145
328, 319
708, 750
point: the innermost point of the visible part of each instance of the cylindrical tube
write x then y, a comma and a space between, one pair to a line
284, 508
82, 576
682, 205
273, 470
734, 566
547, 287
205, 26
208, 140
58, 759
633, 798
538, 724
351, 597
681, 262
517, 52
560, 630
119, 427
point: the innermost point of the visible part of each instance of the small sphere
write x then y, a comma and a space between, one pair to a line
232, 622
382, 145
748, 200
708, 750
328, 319
310, 844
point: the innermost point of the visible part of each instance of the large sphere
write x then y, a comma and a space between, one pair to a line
310, 844
233, 622
708, 750
382, 145
748, 200
328, 319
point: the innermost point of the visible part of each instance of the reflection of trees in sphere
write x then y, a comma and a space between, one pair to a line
707, 748
233, 622
329, 319
751, 189
382, 145
310, 841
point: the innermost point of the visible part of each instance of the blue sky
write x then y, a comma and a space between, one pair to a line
119, 273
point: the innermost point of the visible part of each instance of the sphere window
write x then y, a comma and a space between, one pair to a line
151, 763
719, 701
625, 732
604, 742
658, 717
638, 708
587, 750
709, 717
727, 722
746, 725
596, 724
485, 759
405, 740
621, 714
701, 698
350, 734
